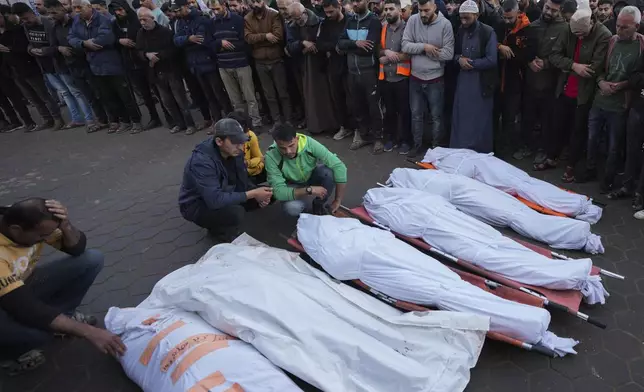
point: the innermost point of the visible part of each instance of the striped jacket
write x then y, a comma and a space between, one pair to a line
230, 28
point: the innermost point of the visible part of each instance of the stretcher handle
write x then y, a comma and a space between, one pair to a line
602, 271
544, 351
583, 316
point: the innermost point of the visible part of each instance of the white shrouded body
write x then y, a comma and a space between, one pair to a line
347, 249
497, 173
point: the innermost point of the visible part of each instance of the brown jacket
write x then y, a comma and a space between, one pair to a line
255, 31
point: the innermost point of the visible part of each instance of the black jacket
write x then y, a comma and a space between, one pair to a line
366, 27
158, 40
127, 27
63, 63
636, 83
545, 35
17, 63
329, 34
519, 39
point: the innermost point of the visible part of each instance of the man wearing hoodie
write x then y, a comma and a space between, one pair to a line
429, 39
30, 80
126, 27
580, 54
93, 32
360, 41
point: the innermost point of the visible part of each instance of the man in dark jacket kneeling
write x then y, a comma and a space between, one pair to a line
216, 191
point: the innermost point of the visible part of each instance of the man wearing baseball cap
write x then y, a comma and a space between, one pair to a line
216, 191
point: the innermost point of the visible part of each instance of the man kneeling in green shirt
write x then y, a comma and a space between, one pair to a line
303, 172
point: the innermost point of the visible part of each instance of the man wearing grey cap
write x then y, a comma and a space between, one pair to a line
216, 191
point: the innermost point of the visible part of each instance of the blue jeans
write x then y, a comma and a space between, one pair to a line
423, 96
321, 176
61, 284
615, 124
73, 96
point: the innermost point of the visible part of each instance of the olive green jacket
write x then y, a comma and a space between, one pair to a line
545, 34
593, 51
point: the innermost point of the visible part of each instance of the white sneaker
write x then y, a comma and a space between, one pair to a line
639, 215
342, 133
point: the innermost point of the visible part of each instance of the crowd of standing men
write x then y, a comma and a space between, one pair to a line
390, 75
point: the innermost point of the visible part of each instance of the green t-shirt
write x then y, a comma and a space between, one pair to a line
623, 61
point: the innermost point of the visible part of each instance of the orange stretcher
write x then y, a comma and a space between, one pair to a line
564, 300
473, 279
534, 206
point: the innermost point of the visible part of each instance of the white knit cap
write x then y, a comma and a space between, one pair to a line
468, 7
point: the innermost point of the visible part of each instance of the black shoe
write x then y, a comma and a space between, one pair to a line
587, 176
413, 152
154, 123
638, 202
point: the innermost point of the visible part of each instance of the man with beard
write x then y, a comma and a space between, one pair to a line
604, 11
194, 35
541, 78
611, 24
72, 64
360, 41
515, 47
429, 39
335, 69
593, 6
126, 27
612, 97
235, 72
93, 32
317, 99
264, 32
475, 51
317, 8
155, 43
580, 54
530, 9
238, 6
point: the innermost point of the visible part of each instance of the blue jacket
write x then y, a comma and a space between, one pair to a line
200, 57
205, 181
230, 28
106, 61
358, 28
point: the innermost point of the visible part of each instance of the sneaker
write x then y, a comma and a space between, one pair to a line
137, 128
621, 193
191, 131
540, 157
40, 127
124, 127
175, 129
58, 124
389, 146
12, 127
342, 133
113, 127
404, 149
358, 142
638, 202
413, 152
154, 123
378, 148
83, 318
26, 362
639, 215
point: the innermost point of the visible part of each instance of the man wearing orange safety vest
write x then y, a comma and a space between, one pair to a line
429, 39
395, 68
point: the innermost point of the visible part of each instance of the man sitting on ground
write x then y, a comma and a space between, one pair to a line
296, 177
38, 300
216, 190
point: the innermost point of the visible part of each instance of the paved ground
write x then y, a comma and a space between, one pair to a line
122, 191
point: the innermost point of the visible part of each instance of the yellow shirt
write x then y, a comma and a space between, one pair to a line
253, 155
18, 262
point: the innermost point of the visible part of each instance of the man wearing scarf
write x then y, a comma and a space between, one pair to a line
515, 45
475, 50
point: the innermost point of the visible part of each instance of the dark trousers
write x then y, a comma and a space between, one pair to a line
340, 99
139, 78
537, 109
119, 102
34, 89
13, 103
569, 127
427, 103
173, 96
614, 123
223, 221
366, 104
273, 80
196, 93
635, 151
61, 284
213, 89
397, 121
509, 109
85, 81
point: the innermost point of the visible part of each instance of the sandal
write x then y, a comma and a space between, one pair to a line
72, 125
545, 165
621, 193
569, 175
26, 362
